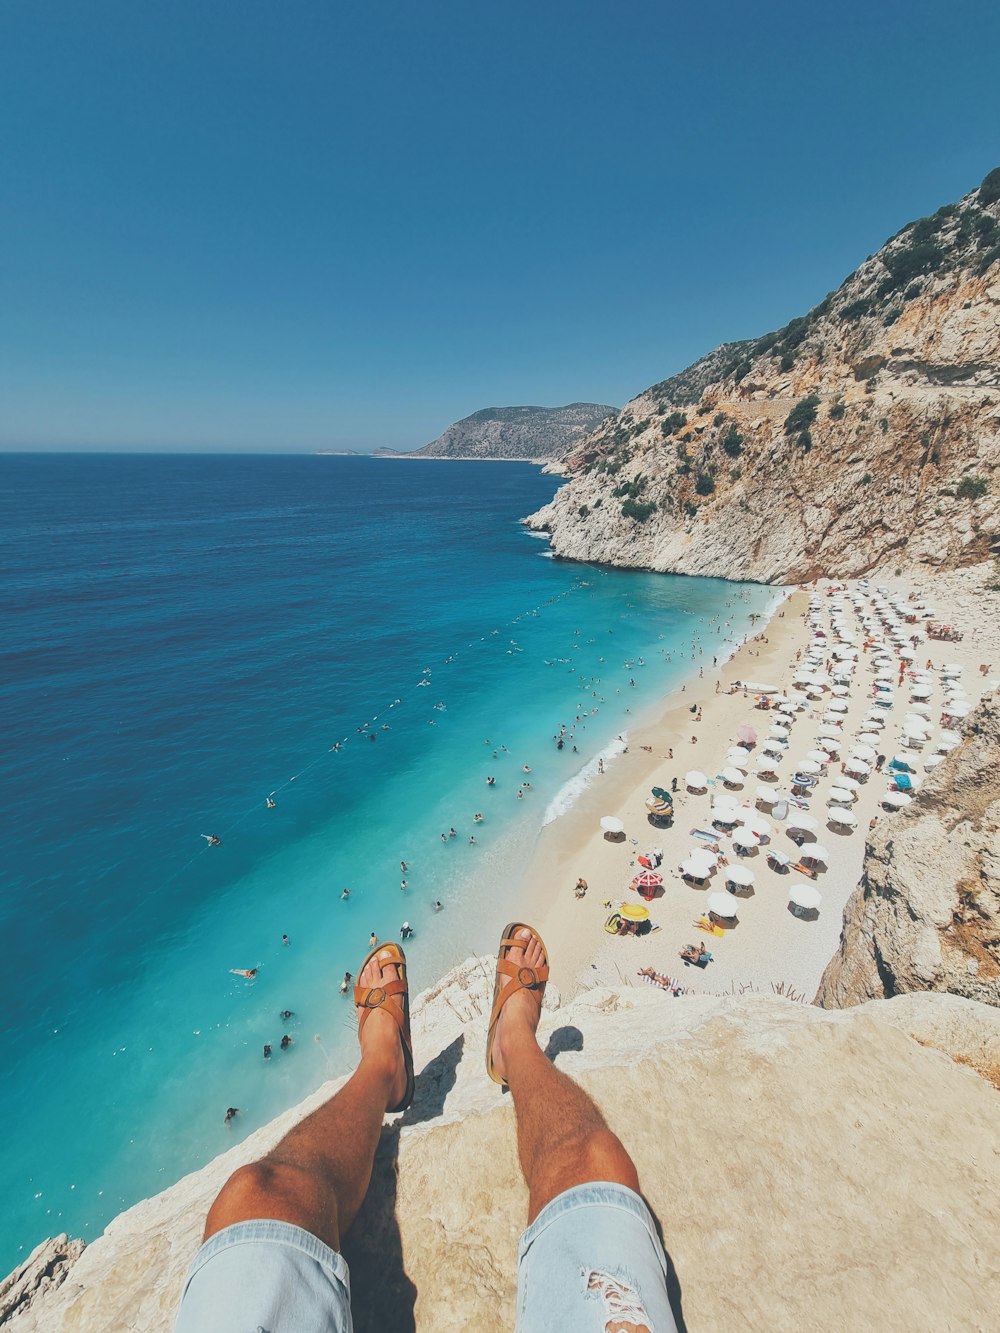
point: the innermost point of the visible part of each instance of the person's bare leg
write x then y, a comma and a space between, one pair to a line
317, 1176
562, 1138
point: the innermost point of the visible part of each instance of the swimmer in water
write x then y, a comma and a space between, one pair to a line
373, 941
286, 1014
286, 1041
212, 839
345, 983
285, 939
231, 1113
267, 1050
405, 931
438, 906
249, 972
272, 804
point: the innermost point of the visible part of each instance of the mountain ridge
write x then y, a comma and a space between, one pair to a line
863, 432
523, 432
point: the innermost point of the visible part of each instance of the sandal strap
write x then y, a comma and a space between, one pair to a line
364, 996
527, 978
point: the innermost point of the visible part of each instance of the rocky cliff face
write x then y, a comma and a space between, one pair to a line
518, 432
864, 433
926, 914
775, 1142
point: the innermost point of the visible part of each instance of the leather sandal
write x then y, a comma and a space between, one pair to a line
523, 978
395, 995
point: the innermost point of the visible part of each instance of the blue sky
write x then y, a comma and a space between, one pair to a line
299, 224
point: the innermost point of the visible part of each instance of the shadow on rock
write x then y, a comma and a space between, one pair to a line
566, 1038
674, 1294
382, 1294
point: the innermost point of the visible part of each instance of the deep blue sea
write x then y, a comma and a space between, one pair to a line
184, 637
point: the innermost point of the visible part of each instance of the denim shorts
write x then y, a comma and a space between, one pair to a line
591, 1259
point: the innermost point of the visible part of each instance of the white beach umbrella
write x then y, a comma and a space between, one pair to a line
840, 691
732, 776
921, 710
921, 691
858, 767
740, 875
696, 780
820, 756
874, 720
862, 752
813, 851
612, 825
851, 784
738, 752
933, 760
726, 816
767, 795
957, 710
780, 727
842, 795
836, 706
809, 766
744, 837
946, 746
896, 799
755, 822
724, 905
838, 815
703, 854
951, 737
802, 819
696, 869
805, 896
868, 738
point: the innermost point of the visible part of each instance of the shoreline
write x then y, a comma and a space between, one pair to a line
770, 949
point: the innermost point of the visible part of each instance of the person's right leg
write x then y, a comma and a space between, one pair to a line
590, 1260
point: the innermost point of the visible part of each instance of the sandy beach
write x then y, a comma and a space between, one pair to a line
770, 946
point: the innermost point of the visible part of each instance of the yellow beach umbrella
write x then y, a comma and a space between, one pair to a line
634, 912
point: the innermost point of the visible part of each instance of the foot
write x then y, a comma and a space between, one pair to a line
380, 1038
520, 1015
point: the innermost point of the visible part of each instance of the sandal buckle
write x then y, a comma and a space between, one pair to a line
527, 977
376, 996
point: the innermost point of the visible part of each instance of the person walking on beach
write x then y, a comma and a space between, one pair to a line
271, 1259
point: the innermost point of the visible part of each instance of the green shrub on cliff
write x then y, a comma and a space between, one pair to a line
705, 483
639, 510
802, 415
972, 487
732, 442
989, 191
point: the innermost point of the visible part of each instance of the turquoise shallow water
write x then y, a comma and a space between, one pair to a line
184, 636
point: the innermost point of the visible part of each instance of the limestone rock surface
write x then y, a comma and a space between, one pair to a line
811, 1169
40, 1274
926, 913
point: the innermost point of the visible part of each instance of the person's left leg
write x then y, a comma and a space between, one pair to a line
317, 1176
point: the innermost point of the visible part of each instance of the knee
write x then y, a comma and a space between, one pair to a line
603, 1157
240, 1196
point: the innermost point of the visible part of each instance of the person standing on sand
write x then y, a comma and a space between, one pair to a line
270, 1257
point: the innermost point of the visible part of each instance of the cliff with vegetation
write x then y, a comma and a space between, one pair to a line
532, 433
775, 1141
865, 433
